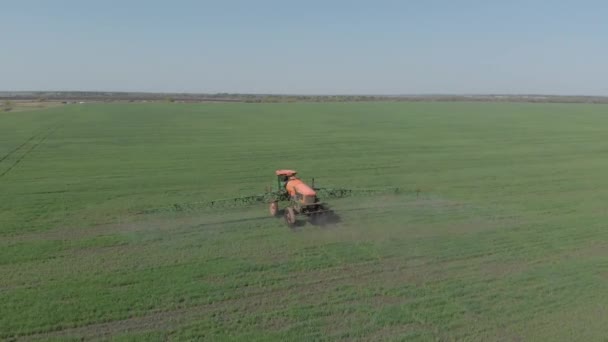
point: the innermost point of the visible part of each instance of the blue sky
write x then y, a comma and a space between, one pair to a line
306, 47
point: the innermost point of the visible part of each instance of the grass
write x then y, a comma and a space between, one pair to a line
506, 241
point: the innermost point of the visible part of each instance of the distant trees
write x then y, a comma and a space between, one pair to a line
310, 98
7, 106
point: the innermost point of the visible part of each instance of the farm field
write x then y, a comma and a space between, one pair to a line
507, 238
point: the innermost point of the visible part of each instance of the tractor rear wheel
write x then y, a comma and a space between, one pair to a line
274, 209
290, 217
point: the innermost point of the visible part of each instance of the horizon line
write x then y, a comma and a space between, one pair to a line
299, 94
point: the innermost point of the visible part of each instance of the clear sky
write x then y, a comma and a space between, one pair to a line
306, 47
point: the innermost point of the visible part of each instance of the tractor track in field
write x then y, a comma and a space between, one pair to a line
42, 136
20, 146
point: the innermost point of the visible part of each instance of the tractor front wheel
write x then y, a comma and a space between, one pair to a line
290, 217
274, 209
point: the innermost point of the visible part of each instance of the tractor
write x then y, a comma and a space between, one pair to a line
302, 199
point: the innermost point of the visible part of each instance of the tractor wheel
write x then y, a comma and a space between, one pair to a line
274, 209
290, 217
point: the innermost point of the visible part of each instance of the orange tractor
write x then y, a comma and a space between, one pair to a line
302, 199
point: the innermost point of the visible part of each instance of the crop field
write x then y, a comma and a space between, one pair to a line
499, 232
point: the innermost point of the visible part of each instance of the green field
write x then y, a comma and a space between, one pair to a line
507, 240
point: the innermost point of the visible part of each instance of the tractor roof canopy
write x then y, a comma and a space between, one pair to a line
287, 173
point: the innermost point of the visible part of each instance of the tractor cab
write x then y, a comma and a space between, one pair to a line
283, 176
295, 188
